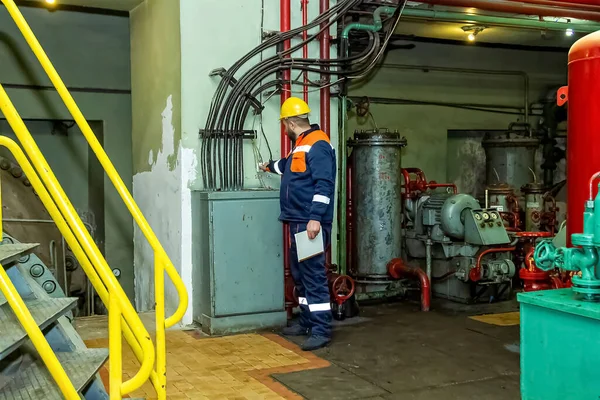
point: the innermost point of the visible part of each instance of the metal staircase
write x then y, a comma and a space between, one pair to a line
23, 374
41, 355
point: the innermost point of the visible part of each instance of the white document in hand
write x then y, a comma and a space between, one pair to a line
309, 248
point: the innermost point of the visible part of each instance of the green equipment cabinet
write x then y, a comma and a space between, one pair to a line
560, 346
238, 268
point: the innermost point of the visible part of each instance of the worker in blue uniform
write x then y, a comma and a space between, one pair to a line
307, 201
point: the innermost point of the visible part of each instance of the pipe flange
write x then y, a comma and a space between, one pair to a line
378, 137
588, 289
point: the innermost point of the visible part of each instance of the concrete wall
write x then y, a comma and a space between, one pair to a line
169, 108
156, 88
78, 45
426, 126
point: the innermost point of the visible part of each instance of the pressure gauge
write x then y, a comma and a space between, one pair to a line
494, 216
486, 216
478, 217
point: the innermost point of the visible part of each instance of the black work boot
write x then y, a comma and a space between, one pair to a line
295, 330
315, 342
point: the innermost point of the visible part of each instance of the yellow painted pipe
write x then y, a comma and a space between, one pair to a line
161, 349
71, 240
115, 348
84, 238
37, 337
96, 147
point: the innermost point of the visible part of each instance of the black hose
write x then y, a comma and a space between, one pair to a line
233, 98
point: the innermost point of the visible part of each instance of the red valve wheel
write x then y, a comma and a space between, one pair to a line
343, 288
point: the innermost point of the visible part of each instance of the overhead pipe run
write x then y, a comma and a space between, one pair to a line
499, 21
522, 7
591, 5
523, 75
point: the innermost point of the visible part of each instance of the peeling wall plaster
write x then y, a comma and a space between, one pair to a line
163, 196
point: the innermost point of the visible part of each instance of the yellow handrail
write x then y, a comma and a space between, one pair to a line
70, 238
162, 262
81, 233
37, 337
109, 168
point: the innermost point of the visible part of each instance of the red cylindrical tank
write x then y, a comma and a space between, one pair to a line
583, 140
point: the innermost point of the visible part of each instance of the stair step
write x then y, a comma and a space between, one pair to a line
44, 312
35, 382
10, 253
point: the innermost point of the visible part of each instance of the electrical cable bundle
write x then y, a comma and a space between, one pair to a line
222, 139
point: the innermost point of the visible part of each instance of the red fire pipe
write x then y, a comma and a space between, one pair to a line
325, 95
286, 146
397, 269
304, 7
325, 55
421, 184
522, 7
590, 5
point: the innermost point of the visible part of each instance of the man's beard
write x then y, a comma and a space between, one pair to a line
291, 135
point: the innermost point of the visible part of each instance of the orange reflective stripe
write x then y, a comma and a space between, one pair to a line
313, 138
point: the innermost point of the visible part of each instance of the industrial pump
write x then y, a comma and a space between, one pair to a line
458, 242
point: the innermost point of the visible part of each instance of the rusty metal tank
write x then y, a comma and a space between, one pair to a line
510, 157
376, 198
583, 143
534, 205
499, 196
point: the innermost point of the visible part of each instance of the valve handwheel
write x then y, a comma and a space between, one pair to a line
544, 255
342, 288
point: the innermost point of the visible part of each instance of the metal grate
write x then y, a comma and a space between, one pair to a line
9, 253
35, 382
44, 312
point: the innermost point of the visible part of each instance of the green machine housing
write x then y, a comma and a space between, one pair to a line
560, 329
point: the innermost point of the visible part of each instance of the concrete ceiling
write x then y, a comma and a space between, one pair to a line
119, 5
492, 34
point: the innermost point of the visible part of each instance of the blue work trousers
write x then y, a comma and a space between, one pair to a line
312, 288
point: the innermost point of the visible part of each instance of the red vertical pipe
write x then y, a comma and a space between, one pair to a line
583, 144
325, 95
325, 55
304, 6
349, 215
285, 21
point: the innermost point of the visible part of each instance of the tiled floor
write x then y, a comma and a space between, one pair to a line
233, 367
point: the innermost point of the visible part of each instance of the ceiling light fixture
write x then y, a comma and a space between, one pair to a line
569, 32
50, 1
473, 31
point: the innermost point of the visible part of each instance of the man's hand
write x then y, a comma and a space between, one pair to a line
263, 167
313, 228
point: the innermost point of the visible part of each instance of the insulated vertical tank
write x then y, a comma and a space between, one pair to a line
583, 138
376, 201
509, 157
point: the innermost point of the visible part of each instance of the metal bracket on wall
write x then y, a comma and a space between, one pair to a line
245, 134
222, 72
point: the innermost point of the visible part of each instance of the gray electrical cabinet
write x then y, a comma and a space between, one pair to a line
238, 261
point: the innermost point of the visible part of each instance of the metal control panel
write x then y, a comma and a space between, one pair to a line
485, 227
